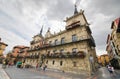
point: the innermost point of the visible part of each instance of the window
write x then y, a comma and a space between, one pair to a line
56, 41
61, 62
53, 62
47, 62
74, 64
62, 40
54, 51
50, 42
48, 52
62, 50
74, 50
74, 38
37, 46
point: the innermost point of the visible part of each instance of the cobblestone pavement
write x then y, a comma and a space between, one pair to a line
3, 74
16, 73
103, 73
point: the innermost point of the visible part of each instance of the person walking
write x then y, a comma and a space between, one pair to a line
111, 70
44, 68
37, 66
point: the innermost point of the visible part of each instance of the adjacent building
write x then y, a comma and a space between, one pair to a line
36, 44
19, 53
71, 50
2, 49
113, 43
103, 60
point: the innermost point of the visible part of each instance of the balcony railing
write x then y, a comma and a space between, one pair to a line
34, 42
33, 56
70, 40
65, 55
79, 39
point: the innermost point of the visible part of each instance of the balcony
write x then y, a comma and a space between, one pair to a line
33, 56
27, 56
19, 56
13, 56
59, 43
35, 48
34, 42
81, 38
36, 56
66, 55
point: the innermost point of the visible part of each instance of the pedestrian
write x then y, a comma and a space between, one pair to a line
37, 66
23, 65
110, 69
9, 64
44, 68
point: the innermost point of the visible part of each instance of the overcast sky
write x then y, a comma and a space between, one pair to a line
20, 20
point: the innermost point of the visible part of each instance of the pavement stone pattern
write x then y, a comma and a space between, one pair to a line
17, 73
3, 74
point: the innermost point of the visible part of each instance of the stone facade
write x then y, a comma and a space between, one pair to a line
113, 43
71, 50
2, 47
33, 54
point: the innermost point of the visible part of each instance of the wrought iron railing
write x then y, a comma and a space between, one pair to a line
67, 41
65, 55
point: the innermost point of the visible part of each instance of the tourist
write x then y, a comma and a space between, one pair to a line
110, 69
37, 66
44, 68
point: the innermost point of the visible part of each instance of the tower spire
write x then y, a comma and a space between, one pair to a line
41, 30
48, 29
75, 12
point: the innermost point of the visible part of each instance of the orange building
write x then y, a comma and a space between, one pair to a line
103, 59
19, 52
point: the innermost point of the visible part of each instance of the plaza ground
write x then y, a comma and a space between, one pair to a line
17, 73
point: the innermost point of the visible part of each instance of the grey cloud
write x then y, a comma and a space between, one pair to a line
32, 14
107, 7
60, 10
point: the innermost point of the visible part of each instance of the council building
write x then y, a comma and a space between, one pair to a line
71, 50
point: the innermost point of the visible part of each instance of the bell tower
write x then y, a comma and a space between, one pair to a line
77, 19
